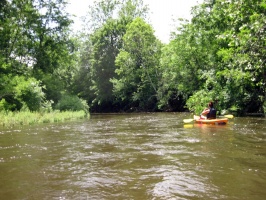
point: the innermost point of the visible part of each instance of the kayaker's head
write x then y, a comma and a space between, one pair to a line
210, 104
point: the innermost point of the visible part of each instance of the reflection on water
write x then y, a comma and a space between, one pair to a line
134, 156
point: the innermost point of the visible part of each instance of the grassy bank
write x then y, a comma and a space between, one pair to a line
29, 118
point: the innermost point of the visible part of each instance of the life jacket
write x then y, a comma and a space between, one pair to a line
211, 114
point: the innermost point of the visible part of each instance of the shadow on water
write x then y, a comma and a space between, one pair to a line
134, 156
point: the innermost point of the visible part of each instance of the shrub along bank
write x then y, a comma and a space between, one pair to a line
9, 119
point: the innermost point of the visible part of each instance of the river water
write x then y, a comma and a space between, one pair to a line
134, 156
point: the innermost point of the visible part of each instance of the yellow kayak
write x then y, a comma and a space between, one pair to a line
217, 121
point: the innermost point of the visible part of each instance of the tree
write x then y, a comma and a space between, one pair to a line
137, 67
226, 41
34, 44
181, 63
106, 43
245, 55
102, 43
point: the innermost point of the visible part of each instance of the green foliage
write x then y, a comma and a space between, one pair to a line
107, 23
219, 55
222, 50
4, 106
34, 35
29, 92
19, 91
199, 101
245, 54
103, 10
137, 66
36, 53
106, 42
71, 103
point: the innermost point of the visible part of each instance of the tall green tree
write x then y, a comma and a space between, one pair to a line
189, 61
106, 43
138, 67
182, 61
206, 25
102, 42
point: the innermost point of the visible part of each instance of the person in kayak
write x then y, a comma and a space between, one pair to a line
209, 113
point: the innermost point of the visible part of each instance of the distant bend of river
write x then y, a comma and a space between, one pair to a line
134, 156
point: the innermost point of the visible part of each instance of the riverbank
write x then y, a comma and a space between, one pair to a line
29, 118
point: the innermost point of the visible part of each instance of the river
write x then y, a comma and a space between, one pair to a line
148, 156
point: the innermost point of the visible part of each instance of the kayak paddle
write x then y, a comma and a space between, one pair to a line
188, 120
229, 116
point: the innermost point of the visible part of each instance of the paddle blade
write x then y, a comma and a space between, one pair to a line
188, 125
229, 116
188, 120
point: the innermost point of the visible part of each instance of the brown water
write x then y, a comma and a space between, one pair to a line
134, 156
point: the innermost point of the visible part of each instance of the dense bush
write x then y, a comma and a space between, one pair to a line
71, 103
